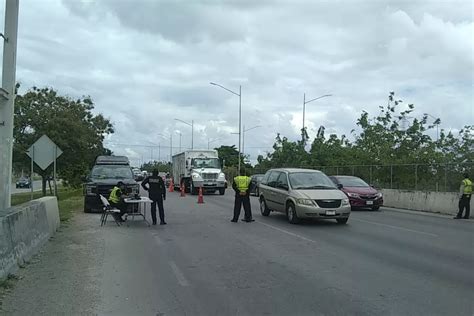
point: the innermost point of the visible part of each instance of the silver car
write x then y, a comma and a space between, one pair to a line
302, 193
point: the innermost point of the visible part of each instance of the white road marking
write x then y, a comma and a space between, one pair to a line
395, 227
179, 275
287, 232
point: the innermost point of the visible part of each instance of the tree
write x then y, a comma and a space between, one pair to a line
158, 165
229, 156
69, 123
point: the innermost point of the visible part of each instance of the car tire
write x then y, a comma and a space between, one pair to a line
376, 208
291, 214
86, 209
342, 220
264, 210
221, 191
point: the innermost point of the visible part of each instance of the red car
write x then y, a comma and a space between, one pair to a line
361, 195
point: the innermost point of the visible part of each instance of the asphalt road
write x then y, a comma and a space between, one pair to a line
36, 187
380, 263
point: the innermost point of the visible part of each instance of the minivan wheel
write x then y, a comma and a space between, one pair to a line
375, 208
342, 220
291, 214
263, 207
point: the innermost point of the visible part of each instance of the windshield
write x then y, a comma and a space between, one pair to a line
310, 180
111, 172
205, 163
352, 182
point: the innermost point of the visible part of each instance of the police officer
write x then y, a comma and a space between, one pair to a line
465, 199
241, 186
157, 192
116, 199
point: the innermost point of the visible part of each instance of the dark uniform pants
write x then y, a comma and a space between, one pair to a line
465, 203
160, 208
239, 200
122, 206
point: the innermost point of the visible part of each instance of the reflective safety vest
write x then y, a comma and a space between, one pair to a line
113, 197
467, 186
242, 183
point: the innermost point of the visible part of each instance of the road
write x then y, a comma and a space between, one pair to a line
36, 187
380, 263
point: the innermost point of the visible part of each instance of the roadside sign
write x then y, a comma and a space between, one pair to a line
45, 152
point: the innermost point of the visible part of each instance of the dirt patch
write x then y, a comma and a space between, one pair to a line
63, 278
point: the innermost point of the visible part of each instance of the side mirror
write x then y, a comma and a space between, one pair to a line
340, 186
283, 186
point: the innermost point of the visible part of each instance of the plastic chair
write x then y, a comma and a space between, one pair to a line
108, 210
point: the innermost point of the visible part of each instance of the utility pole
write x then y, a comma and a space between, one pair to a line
7, 101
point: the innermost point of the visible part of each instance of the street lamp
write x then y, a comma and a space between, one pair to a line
170, 137
209, 141
192, 130
240, 112
180, 136
304, 111
436, 122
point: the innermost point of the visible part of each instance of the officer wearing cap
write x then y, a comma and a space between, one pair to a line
157, 192
241, 186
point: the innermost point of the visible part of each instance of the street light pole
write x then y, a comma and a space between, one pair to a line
436, 123
240, 123
7, 101
171, 144
304, 112
192, 130
240, 114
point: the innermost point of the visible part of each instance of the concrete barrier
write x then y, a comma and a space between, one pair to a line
426, 201
24, 229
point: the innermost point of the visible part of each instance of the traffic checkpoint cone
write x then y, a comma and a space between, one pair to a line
183, 193
200, 196
171, 188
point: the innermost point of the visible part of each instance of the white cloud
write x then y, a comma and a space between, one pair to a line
147, 62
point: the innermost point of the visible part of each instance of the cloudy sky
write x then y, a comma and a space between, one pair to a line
147, 62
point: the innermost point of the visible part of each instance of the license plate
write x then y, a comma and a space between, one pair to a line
330, 212
370, 202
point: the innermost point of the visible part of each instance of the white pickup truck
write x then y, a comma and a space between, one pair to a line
198, 168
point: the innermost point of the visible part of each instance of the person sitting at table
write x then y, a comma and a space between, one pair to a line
116, 199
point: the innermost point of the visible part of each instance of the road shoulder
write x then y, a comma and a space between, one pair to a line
63, 278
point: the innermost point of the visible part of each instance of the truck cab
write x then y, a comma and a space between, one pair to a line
196, 169
106, 173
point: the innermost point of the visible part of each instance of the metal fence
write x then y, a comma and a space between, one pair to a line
424, 177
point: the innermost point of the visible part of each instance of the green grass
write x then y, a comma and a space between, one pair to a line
69, 201
9, 282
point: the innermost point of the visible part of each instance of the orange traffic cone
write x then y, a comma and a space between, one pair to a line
200, 196
183, 192
171, 188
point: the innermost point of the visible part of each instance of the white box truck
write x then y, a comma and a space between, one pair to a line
198, 168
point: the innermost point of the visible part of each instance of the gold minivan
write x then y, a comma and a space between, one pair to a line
302, 193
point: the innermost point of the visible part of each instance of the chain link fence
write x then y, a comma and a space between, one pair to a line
423, 177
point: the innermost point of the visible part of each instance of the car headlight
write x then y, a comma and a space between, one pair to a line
221, 175
353, 195
90, 189
196, 176
379, 195
345, 202
307, 202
